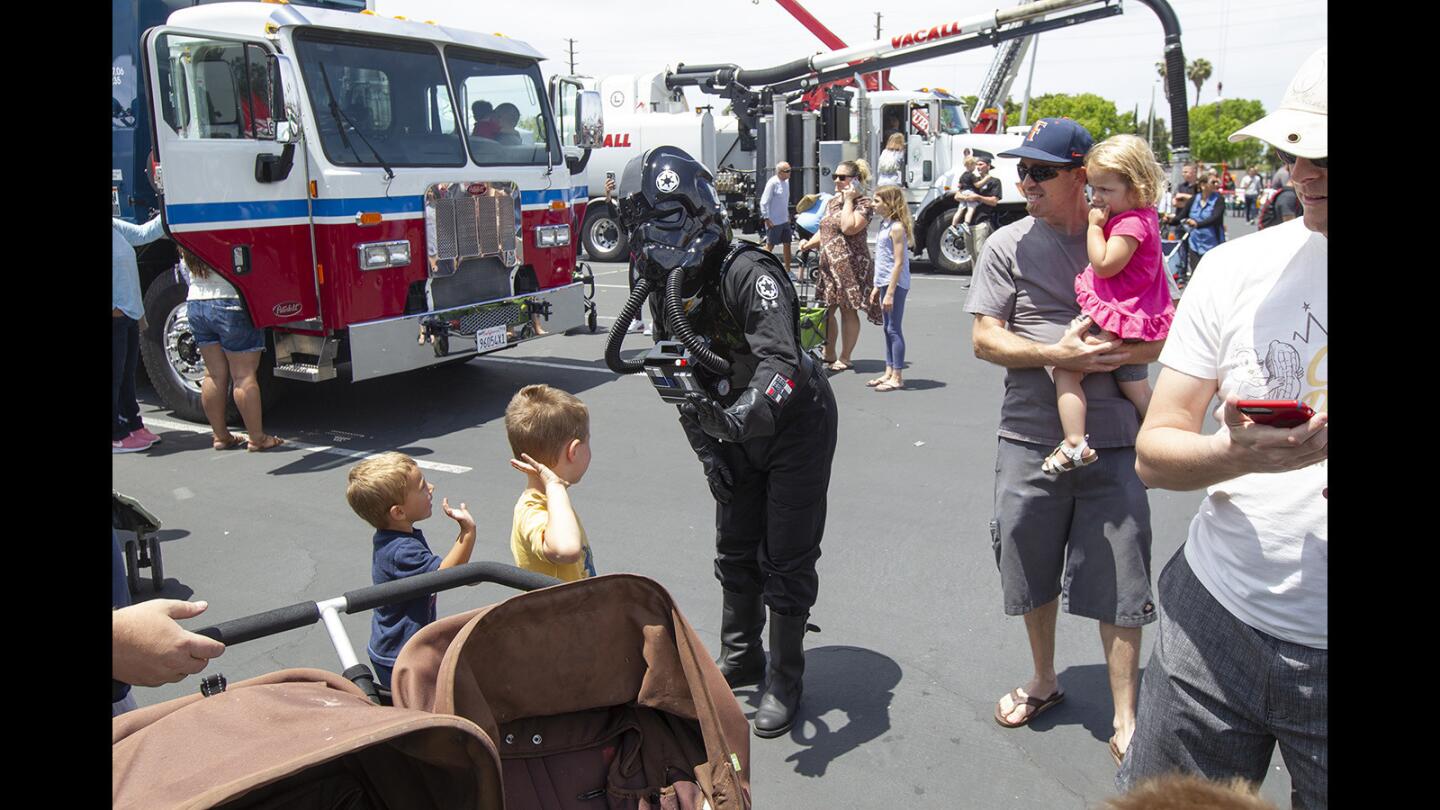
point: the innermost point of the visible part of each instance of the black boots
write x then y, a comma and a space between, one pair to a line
781, 700
741, 660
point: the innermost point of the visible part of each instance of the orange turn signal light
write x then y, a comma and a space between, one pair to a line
557, 205
367, 218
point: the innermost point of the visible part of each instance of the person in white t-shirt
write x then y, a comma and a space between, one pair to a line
1242, 660
775, 209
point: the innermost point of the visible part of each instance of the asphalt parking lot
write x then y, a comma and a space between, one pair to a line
914, 649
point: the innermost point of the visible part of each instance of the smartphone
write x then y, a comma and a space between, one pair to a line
1281, 413
610, 176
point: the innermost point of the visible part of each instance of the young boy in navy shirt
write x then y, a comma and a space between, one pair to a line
391, 494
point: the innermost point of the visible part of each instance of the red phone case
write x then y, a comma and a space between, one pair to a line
1281, 413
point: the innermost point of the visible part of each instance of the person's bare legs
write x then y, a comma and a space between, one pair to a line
243, 366
849, 332
214, 391
1138, 392
830, 331
1070, 397
787, 255
1040, 627
1122, 658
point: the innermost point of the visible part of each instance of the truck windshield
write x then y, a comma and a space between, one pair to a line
502, 104
952, 119
376, 102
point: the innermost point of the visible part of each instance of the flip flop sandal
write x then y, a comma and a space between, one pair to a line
839, 365
271, 443
1036, 705
889, 386
876, 381
233, 442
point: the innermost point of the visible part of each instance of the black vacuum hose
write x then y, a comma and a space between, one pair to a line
622, 326
679, 325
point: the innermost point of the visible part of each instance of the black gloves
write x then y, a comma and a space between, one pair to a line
717, 472
743, 420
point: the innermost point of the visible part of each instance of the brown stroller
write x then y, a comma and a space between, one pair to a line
592, 694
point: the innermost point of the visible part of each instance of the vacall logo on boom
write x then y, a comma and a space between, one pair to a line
949, 29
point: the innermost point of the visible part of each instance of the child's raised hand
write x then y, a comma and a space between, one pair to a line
460, 515
1099, 214
530, 466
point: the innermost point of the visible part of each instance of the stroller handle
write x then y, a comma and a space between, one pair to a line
471, 573
302, 614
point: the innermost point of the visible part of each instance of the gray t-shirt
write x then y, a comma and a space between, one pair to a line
1026, 278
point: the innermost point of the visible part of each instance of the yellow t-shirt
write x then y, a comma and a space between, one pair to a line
527, 535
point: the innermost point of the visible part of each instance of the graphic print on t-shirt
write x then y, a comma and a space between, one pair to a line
1282, 373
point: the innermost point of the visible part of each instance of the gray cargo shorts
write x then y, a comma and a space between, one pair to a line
1083, 535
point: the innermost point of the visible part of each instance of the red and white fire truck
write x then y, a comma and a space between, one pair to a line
385, 194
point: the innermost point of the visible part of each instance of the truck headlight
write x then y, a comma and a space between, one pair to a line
379, 255
552, 235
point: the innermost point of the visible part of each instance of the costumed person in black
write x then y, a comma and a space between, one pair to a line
758, 412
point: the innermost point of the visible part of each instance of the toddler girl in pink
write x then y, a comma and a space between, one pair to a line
1123, 290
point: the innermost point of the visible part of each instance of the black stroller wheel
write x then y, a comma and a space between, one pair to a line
157, 571
132, 566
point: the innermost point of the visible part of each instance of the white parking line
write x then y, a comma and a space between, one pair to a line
602, 369
358, 455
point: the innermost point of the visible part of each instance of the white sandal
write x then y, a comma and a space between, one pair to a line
1064, 459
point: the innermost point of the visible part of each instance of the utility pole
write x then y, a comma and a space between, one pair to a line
877, 25
572, 56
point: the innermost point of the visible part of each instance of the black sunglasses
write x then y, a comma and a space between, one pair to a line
1289, 159
843, 176
1041, 173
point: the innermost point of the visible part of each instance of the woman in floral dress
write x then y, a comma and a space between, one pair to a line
847, 269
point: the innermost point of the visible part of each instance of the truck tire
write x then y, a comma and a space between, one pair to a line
173, 363
946, 254
602, 237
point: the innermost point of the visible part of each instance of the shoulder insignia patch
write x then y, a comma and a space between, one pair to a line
766, 288
779, 388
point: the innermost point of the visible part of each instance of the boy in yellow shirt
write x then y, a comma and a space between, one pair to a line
549, 432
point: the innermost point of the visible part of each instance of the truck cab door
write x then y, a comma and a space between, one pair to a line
231, 171
920, 149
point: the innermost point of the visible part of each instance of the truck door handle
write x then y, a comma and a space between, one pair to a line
274, 168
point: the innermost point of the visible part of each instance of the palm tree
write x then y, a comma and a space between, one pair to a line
1198, 72
1160, 68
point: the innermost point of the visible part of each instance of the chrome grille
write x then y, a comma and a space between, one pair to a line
472, 225
466, 228
487, 216
445, 226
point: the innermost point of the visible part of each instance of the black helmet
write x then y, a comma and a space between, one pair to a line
672, 215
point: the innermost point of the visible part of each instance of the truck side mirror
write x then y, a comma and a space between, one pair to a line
287, 132
589, 124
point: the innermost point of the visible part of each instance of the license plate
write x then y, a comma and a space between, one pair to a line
492, 338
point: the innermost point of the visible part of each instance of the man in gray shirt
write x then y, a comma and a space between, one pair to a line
1079, 540
775, 209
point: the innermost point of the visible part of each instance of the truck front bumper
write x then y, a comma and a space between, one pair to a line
424, 339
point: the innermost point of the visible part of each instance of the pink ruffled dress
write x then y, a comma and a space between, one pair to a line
1135, 302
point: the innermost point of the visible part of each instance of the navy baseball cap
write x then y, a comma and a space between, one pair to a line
1055, 140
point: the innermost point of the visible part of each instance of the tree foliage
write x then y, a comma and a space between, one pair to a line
1211, 126
1096, 114
1198, 72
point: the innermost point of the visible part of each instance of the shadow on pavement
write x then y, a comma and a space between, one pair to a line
857, 682
1087, 702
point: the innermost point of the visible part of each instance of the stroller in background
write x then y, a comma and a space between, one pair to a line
812, 313
586, 694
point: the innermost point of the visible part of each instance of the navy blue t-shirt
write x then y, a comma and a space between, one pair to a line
397, 555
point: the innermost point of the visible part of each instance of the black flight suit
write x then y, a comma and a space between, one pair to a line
768, 534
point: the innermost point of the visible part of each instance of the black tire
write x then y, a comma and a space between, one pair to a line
132, 566
173, 363
946, 255
157, 571
601, 236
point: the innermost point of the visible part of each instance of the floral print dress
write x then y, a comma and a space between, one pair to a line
847, 270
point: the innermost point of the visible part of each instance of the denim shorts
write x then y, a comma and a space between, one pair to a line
224, 321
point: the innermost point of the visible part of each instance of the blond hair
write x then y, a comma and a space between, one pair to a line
860, 167
891, 204
1177, 791
541, 420
1130, 157
378, 483
969, 162
896, 141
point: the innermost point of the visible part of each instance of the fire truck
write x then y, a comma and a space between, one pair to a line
346, 173
800, 113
